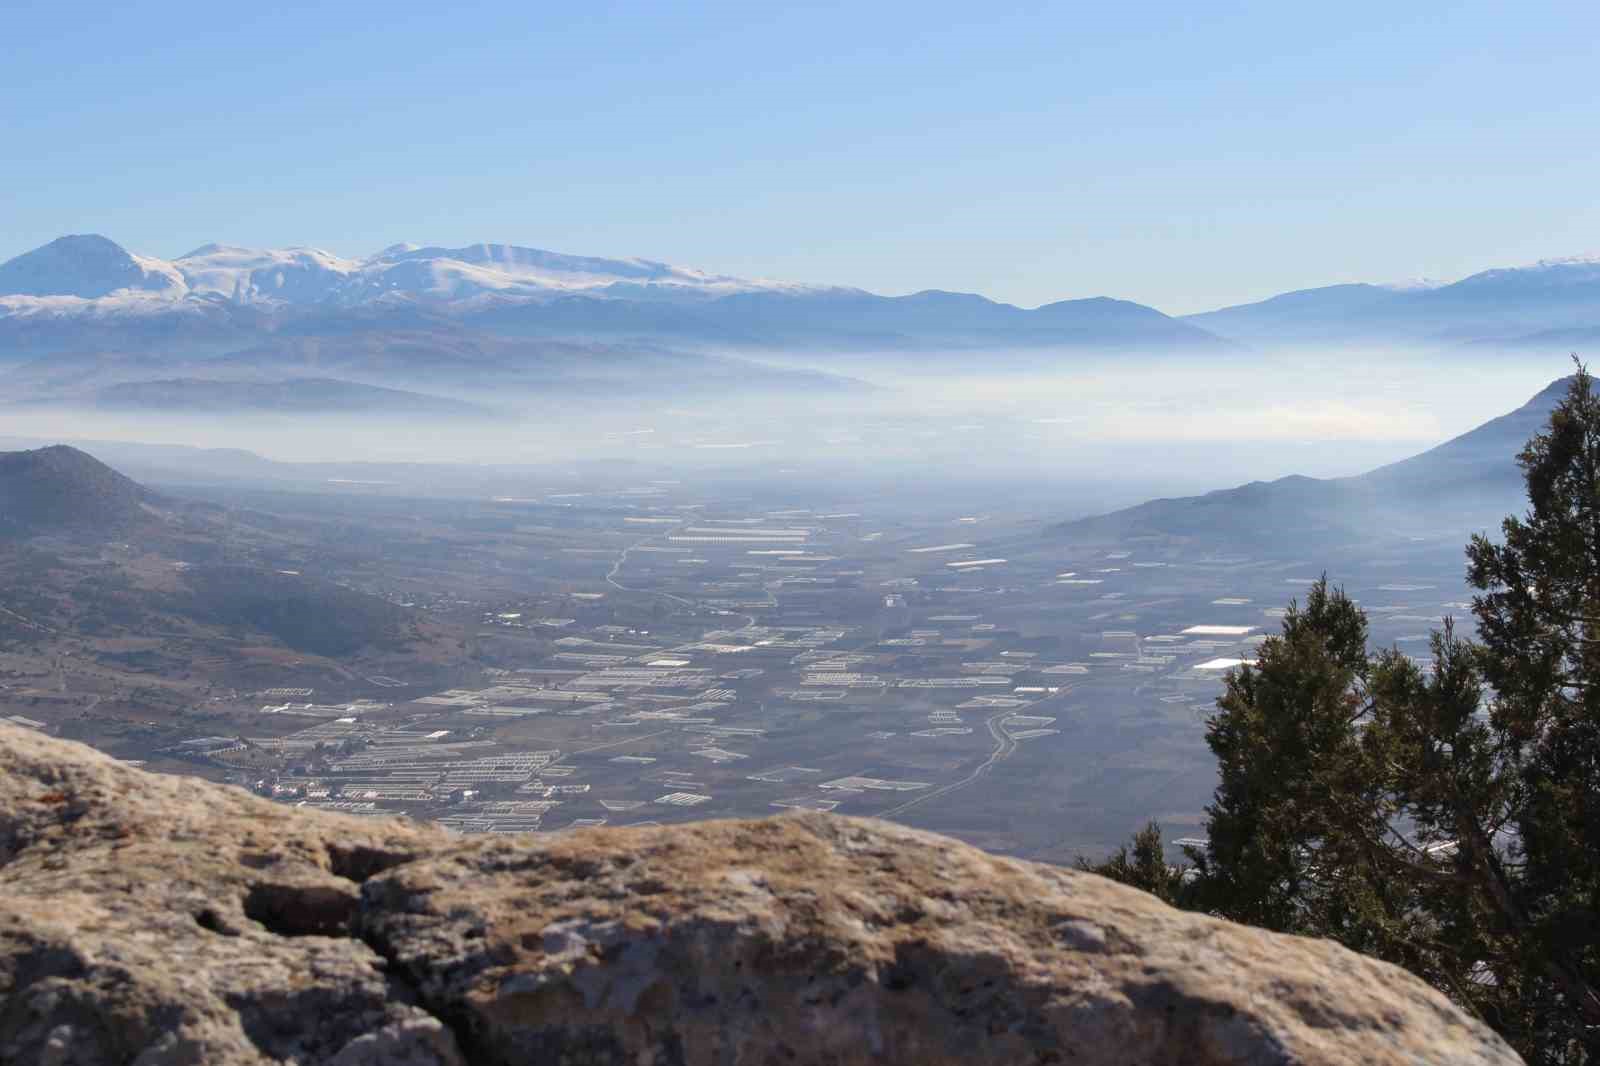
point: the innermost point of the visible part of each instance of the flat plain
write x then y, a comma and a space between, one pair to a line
665, 650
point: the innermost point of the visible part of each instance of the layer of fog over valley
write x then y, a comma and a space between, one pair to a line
594, 541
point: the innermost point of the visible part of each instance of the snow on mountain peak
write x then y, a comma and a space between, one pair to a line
87, 266
1546, 274
92, 267
504, 268
1413, 284
206, 250
1565, 261
292, 275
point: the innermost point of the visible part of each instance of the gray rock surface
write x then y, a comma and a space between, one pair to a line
158, 921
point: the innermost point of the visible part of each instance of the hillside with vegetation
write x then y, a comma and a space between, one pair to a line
1443, 815
62, 488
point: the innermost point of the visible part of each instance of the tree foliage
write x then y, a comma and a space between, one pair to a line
1443, 817
1142, 863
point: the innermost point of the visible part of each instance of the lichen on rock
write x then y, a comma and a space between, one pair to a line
158, 921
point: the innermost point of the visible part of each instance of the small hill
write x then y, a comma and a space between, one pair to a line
157, 919
62, 488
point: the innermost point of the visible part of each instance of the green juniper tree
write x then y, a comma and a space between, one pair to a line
1446, 818
1275, 824
1142, 863
1538, 614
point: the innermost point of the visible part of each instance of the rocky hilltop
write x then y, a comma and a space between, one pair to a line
160, 921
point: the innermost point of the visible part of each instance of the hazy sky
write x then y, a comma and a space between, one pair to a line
1180, 154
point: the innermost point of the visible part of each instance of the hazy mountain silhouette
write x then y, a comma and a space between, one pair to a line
1472, 480
1492, 305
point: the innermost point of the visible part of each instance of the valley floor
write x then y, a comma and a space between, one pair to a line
657, 653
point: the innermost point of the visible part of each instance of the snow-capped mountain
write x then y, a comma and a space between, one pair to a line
218, 293
88, 267
291, 275
453, 273
92, 268
84, 295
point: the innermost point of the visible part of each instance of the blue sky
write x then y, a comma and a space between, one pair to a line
1184, 155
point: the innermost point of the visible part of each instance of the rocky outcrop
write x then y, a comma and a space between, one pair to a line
160, 921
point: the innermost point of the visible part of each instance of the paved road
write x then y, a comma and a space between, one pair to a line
1004, 745
622, 558
28, 621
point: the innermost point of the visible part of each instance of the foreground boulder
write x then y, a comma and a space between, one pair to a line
156, 921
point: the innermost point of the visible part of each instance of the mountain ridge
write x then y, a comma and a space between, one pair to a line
410, 311
1471, 479
91, 266
1490, 306
85, 291
79, 277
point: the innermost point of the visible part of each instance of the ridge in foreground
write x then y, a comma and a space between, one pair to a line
166, 920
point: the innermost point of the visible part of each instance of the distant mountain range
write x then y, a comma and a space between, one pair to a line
1469, 482
85, 322
91, 267
217, 290
83, 315
1544, 306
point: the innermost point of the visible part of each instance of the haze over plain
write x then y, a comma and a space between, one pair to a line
612, 415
